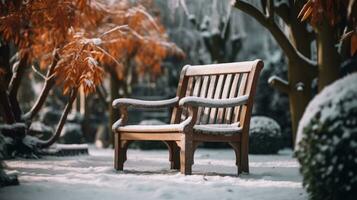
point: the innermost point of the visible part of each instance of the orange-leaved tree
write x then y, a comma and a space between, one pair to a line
337, 14
136, 47
71, 39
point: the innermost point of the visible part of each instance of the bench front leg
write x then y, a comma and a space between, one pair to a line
120, 151
186, 155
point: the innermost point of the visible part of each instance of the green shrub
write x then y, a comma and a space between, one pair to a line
264, 136
327, 142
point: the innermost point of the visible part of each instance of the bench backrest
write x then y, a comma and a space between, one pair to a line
219, 81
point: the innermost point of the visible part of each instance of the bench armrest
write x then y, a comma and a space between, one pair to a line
143, 103
213, 103
124, 103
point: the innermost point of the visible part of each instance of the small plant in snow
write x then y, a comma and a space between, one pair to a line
264, 136
327, 142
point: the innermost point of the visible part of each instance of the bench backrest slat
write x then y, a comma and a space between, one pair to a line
218, 81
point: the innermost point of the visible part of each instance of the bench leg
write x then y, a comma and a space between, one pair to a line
241, 150
244, 162
119, 153
174, 154
235, 146
186, 157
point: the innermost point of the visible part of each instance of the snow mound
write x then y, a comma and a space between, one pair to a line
262, 123
264, 135
147, 176
327, 142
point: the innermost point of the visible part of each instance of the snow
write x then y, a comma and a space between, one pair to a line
68, 146
66, 149
40, 127
147, 176
13, 127
264, 125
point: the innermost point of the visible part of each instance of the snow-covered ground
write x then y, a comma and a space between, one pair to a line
147, 176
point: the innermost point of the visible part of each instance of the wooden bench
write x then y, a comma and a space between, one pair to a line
213, 104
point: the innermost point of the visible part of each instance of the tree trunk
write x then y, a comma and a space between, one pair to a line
113, 113
5, 64
300, 75
328, 58
6, 107
299, 93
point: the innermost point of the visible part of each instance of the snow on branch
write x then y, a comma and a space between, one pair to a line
279, 84
291, 52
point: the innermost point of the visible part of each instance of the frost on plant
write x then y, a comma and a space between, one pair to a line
327, 140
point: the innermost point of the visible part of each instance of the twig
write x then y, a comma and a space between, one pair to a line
38, 72
108, 54
117, 28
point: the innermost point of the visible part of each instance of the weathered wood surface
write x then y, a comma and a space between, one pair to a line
213, 103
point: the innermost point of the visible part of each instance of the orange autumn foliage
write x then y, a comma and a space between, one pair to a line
77, 66
336, 12
316, 10
140, 37
88, 34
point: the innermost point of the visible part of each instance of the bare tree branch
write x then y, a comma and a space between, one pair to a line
291, 52
67, 109
270, 9
38, 72
279, 84
49, 83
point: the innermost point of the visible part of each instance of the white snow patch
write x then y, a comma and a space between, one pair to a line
147, 176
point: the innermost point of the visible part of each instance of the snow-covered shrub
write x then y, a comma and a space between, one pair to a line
17, 146
270, 102
72, 131
3, 148
75, 117
327, 142
5, 179
40, 130
264, 136
50, 116
71, 134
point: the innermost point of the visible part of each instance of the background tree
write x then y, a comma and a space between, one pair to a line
250, 35
216, 29
36, 29
299, 41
